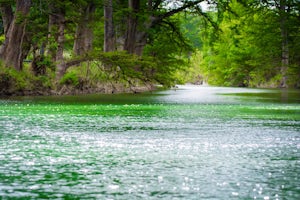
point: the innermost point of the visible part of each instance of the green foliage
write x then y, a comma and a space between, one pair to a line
46, 63
70, 78
191, 24
193, 73
248, 50
11, 80
40, 65
2, 39
43, 82
119, 67
245, 50
128, 67
37, 27
167, 52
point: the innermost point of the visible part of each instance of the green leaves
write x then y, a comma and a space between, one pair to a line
248, 51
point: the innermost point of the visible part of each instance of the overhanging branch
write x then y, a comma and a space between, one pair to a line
208, 18
185, 6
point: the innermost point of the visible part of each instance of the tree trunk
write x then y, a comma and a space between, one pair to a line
132, 25
109, 32
12, 51
84, 33
57, 36
140, 43
136, 33
52, 31
61, 68
284, 43
7, 16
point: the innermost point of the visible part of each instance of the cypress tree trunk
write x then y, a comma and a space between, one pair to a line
61, 66
84, 34
109, 33
7, 16
53, 26
132, 25
57, 35
12, 51
284, 43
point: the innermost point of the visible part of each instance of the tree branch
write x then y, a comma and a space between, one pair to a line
189, 4
156, 4
214, 24
176, 31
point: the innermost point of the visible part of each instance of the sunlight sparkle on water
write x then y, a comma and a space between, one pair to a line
192, 143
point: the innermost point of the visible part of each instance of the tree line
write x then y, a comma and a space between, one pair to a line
240, 43
125, 36
257, 44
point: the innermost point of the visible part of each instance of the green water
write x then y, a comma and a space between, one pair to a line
189, 143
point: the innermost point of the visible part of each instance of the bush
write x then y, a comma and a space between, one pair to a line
70, 78
40, 64
12, 81
6, 82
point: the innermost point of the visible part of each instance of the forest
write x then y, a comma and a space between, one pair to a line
88, 46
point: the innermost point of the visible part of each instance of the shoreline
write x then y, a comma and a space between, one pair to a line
71, 90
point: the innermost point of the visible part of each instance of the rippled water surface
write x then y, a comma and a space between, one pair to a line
188, 143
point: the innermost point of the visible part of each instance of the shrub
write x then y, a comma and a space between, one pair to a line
12, 81
40, 64
70, 78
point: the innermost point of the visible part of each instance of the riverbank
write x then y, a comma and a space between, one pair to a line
76, 82
71, 90
13, 83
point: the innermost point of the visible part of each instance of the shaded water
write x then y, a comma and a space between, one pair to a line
192, 143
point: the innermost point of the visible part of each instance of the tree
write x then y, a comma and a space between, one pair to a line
247, 43
143, 16
287, 12
254, 48
7, 16
109, 33
12, 50
57, 25
83, 41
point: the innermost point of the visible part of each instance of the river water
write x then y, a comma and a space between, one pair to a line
189, 143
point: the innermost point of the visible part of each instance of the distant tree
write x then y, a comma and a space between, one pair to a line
253, 48
288, 19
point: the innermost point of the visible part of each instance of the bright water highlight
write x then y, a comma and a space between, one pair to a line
192, 143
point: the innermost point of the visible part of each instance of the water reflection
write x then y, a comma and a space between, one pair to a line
180, 94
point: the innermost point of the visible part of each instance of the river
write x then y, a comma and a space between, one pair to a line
187, 143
